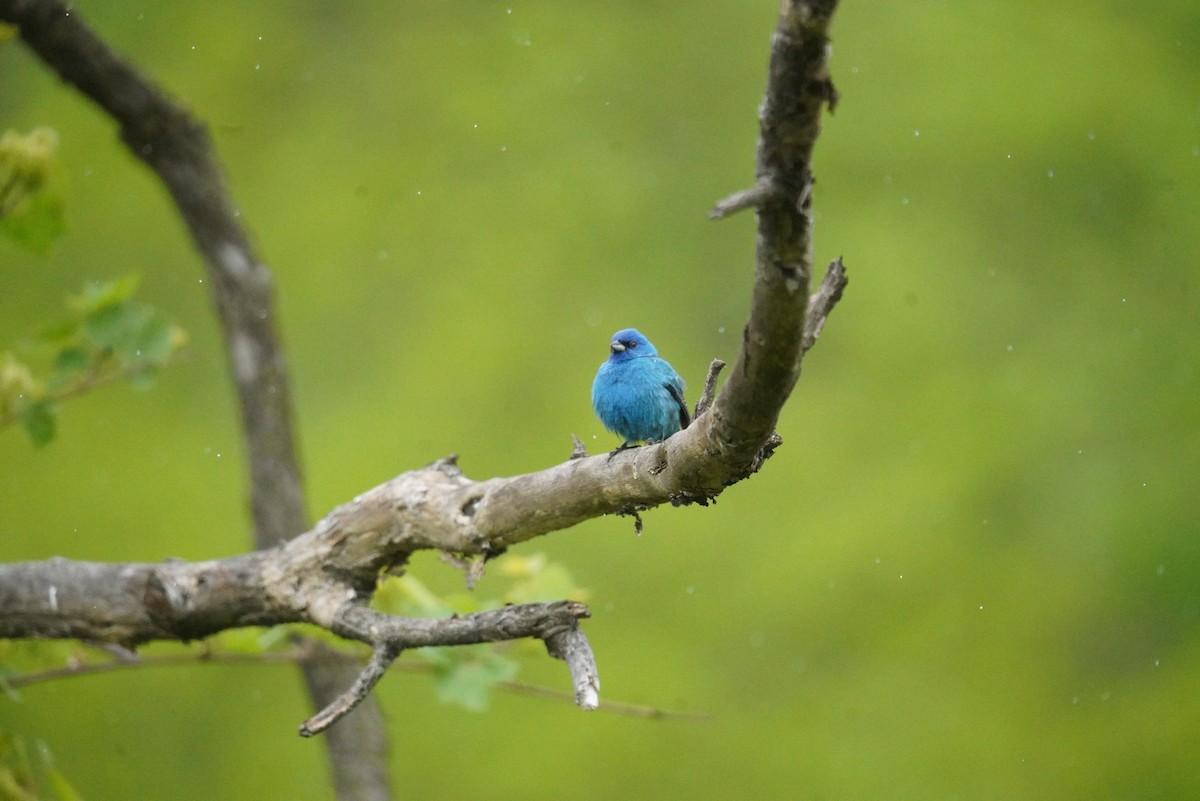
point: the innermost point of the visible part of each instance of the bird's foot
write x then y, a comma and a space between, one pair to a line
624, 446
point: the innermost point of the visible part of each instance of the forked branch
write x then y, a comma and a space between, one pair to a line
326, 575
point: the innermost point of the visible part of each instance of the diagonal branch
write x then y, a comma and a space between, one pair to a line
381, 659
176, 146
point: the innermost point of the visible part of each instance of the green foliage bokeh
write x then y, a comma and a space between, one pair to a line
971, 571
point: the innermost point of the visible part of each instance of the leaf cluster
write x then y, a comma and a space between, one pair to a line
31, 181
108, 336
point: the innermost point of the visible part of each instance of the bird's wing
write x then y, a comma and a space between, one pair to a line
676, 393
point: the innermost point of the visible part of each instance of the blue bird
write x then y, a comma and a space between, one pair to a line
637, 395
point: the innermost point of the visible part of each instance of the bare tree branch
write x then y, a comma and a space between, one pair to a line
709, 392
358, 745
822, 302
385, 653
766, 370
326, 575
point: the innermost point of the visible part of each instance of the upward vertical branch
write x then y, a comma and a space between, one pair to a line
768, 365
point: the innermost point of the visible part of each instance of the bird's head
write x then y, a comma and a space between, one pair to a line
628, 343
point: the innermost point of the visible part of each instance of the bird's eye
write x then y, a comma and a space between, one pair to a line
631, 344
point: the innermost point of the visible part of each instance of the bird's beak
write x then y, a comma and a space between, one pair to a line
616, 346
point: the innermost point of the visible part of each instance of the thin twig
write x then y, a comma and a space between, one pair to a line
747, 198
710, 388
578, 449
93, 379
571, 645
298, 654
823, 300
375, 669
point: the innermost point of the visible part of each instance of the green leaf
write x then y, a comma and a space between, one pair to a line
72, 360
16, 769
39, 421
275, 638
406, 595
471, 676
18, 387
108, 326
536, 578
61, 787
552, 583
238, 641
135, 332
153, 340
11, 787
144, 378
31, 205
98, 294
59, 334
36, 222
7, 689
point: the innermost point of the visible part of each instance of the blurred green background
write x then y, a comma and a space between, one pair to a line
972, 571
